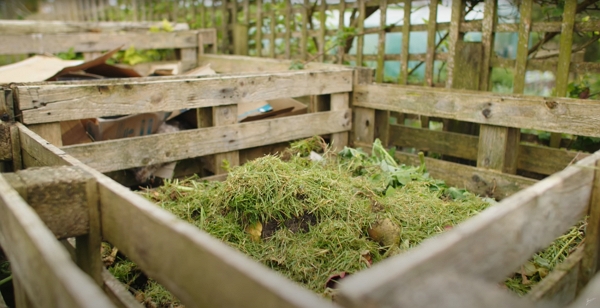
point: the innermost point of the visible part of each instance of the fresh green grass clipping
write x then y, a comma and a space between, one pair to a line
343, 194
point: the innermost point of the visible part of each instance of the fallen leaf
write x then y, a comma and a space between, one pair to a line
255, 231
334, 279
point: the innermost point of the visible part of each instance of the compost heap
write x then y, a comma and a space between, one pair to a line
315, 218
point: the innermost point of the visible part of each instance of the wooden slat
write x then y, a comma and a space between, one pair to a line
259, 21
431, 33
272, 33
498, 148
573, 116
5, 142
88, 42
241, 64
49, 131
487, 41
50, 103
360, 41
341, 29
522, 46
288, 18
341, 102
458, 10
225, 115
193, 262
38, 261
304, 31
591, 251
47, 27
533, 158
403, 78
322, 30
532, 217
117, 292
379, 73
139, 151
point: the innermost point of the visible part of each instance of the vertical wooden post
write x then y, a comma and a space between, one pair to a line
288, 29
259, 28
322, 29
240, 39
224, 115
498, 146
487, 40
381, 48
340, 101
202, 15
304, 33
363, 119
458, 11
360, 42
341, 29
591, 249
564, 59
224, 27
87, 247
403, 77
272, 32
21, 298
431, 32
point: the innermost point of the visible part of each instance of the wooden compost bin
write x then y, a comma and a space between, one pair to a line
71, 197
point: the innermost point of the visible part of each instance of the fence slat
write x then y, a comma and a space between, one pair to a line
288, 28
304, 30
458, 10
403, 78
322, 30
341, 29
431, 33
487, 40
381, 45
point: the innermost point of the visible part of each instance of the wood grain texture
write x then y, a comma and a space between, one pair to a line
562, 115
42, 266
225, 115
487, 42
47, 27
498, 148
364, 126
244, 64
88, 42
51, 103
431, 33
341, 102
49, 131
534, 158
45, 188
5, 142
403, 77
591, 250
381, 41
533, 217
139, 151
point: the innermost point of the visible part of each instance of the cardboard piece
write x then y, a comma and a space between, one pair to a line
282, 107
36, 68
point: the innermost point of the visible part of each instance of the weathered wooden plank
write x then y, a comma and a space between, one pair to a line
381, 42
498, 148
195, 261
589, 296
117, 292
17, 156
322, 30
560, 286
304, 30
532, 217
258, 34
225, 115
341, 29
43, 267
573, 116
403, 78
341, 102
44, 190
522, 46
51, 103
47, 27
88, 42
139, 151
5, 142
591, 250
364, 126
533, 158
458, 10
360, 40
487, 42
431, 33
241, 64
288, 28
49, 131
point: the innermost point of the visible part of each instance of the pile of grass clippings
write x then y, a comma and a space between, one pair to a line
311, 217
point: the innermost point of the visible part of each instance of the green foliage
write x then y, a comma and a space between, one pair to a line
132, 56
70, 55
165, 26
